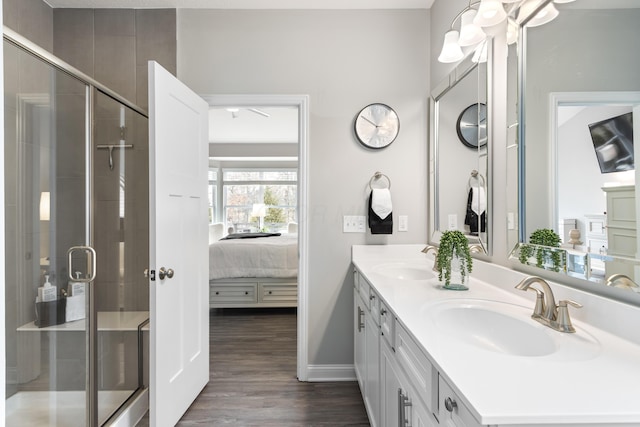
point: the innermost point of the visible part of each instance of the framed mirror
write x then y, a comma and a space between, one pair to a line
578, 94
459, 164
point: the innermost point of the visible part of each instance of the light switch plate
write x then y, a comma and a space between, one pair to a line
354, 224
403, 223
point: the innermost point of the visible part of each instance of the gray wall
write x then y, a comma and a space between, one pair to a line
31, 18
343, 60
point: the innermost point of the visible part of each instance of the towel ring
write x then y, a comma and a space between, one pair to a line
478, 176
376, 176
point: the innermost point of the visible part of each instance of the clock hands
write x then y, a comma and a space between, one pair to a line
377, 126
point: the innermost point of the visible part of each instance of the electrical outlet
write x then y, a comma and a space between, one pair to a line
354, 224
403, 223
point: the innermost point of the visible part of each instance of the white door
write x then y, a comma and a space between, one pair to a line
178, 240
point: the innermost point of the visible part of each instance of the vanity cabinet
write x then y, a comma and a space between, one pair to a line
399, 384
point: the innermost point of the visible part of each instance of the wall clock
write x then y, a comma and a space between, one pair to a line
472, 125
377, 125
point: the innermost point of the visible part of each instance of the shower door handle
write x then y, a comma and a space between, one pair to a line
91, 263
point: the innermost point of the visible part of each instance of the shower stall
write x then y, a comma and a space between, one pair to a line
77, 243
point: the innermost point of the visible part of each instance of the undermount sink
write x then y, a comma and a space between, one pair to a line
506, 328
405, 271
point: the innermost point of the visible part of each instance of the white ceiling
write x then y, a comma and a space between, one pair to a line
248, 127
243, 4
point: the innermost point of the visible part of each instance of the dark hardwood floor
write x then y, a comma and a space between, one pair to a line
253, 378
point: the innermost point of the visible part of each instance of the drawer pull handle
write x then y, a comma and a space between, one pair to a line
372, 297
450, 404
383, 312
217, 293
246, 292
360, 321
270, 292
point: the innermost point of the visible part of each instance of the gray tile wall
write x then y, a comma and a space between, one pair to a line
114, 45
31, 18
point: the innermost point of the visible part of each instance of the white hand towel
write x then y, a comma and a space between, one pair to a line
478, 200
381, 202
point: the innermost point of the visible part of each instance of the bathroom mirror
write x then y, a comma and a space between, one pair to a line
458, 159
571, 146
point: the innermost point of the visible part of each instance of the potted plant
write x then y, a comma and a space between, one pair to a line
454, 260
542, 244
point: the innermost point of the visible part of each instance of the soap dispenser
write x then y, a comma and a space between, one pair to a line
47, 292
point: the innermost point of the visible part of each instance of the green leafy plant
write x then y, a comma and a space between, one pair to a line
453, 243
542, 244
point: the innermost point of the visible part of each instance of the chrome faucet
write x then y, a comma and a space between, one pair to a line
429, 248
476, 248
621, 281
546, 311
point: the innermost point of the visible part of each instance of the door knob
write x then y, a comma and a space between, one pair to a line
163, 272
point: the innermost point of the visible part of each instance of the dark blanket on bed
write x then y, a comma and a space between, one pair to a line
249, 235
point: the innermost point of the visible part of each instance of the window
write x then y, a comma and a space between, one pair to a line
260, 199
213, 195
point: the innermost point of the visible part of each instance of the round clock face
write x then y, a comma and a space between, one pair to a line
472, 125
377, 125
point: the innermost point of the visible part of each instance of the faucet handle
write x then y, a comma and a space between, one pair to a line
563, 323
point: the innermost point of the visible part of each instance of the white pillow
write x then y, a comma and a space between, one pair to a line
216, 231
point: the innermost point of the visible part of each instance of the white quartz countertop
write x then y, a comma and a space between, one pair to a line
598, 387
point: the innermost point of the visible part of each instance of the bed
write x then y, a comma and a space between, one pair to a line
247, 270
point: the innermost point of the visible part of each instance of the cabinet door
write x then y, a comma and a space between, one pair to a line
399, 405
372, 357
358, 340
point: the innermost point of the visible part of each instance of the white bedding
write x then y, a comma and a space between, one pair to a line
275, 256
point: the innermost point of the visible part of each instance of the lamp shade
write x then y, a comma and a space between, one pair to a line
512, 31
470, 33
547, 14
259, 210
451, 51
490, 13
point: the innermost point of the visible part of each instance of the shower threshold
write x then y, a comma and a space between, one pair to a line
59, 408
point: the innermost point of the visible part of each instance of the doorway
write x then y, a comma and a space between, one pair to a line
301, 104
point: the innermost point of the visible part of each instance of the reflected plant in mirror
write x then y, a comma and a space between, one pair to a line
578, 95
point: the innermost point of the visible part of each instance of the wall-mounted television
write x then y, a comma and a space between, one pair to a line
613, 141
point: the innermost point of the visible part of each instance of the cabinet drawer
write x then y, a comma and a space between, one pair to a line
387, 325
451, 409
278, 292
233, 293
416, 366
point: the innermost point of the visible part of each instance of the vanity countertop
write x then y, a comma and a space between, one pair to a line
597, 387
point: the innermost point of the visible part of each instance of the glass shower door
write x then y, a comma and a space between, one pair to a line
46, 208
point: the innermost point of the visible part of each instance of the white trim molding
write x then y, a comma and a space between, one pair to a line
325, 373
302, 103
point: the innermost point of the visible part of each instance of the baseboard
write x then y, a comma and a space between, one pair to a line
320, 373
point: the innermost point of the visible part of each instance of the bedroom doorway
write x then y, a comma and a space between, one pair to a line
263, 133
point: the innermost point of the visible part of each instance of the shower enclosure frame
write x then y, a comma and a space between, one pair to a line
91, 333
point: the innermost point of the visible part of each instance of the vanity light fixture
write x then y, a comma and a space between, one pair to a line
489, 13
